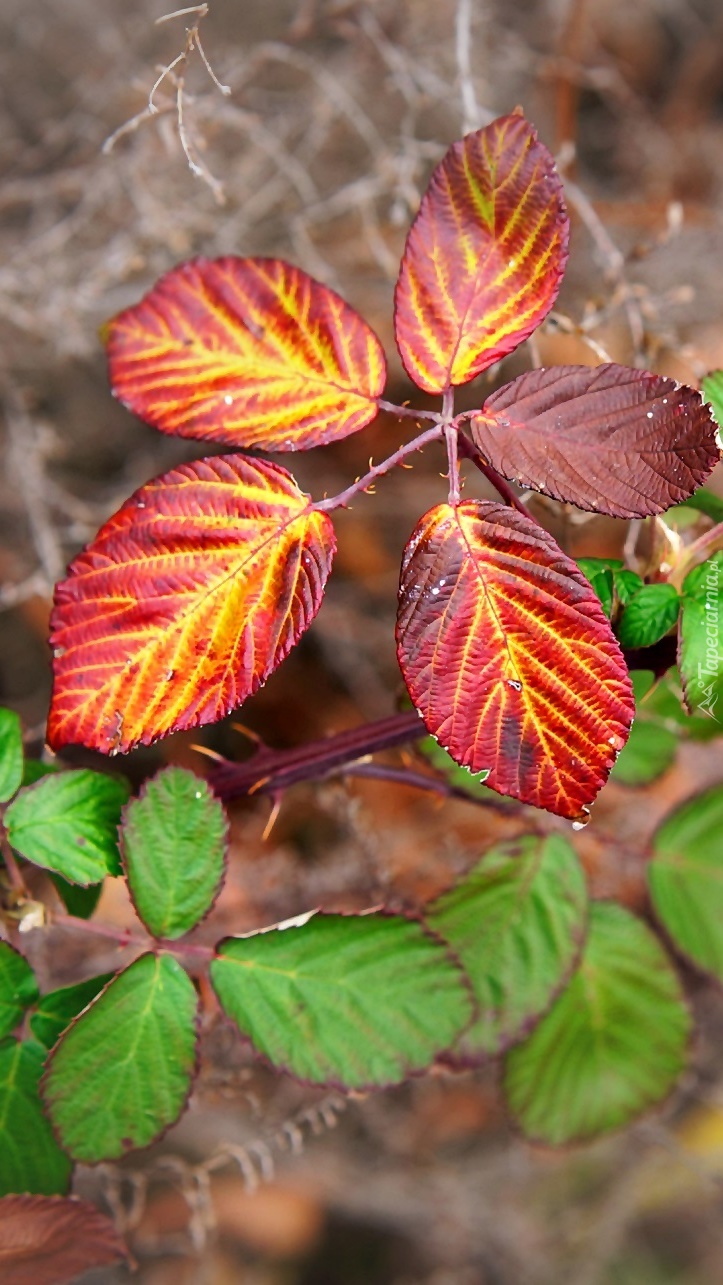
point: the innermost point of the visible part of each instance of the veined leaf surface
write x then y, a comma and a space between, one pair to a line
509, 658
484, 257
250, 352
186, 601
608, 438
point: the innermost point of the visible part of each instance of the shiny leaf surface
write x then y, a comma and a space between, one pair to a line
649, 615
484, 257
509, 658
247, 352
186, 601
608, 439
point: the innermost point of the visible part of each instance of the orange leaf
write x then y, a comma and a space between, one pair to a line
509, 658
186, 601
45, 1240
249, 352
484, 257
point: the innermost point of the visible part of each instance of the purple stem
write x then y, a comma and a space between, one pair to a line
378, 470
437, 785
502, 487
270, 771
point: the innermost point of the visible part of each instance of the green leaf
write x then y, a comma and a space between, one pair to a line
11, 754
704, 501
80, 902
122, 1072
357, 1000
611, 1046
453, 773
627, 584
32, 1161
57, 1009
602, 581
34, 770
649, 616
174, 843
517, 922
700, 648
712, 391
649, 751
686, 878
69, 823
662, 702
18, 987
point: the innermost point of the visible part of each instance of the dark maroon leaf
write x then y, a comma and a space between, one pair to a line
45, 1240
606, 438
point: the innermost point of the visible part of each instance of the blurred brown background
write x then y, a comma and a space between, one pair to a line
319, 154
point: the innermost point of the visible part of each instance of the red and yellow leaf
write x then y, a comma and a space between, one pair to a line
186, 601
606, 438
484, 257
509, 657
249, 352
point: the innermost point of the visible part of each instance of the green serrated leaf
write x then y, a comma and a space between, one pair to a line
357, 1000
516, 922
700, 648
122, 1072
627, 584
649, 616
174, 843
57, 1009
18, 987
459, 777
686, 878
11, 754
31, 1159
612, 1045
69, 823
603, 583
712, 390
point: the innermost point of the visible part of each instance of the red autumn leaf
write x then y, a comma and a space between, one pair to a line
484, 257
46, 1240
509, 658
249, 352
185, 602
605, 438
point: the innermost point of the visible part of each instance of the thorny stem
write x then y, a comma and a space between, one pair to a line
409, 412
271, 771
502, 487
341, 500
